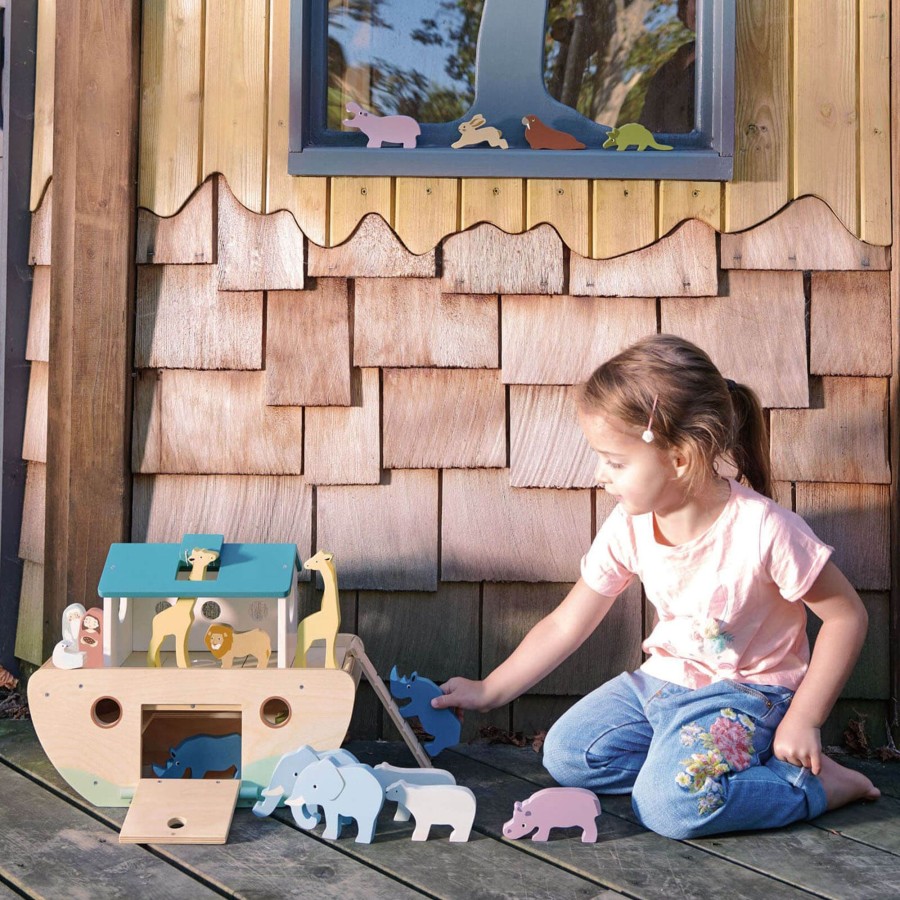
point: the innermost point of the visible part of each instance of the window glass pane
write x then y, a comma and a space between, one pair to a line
619, 61
408, 57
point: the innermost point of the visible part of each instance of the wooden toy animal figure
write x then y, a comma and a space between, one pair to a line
542, 137
175, 620
90, 638
226, 644
202, 753
435, 804
389, 775
473, 133
200, 560
383, 129
558, 807
442, 724
323, 624
632, 134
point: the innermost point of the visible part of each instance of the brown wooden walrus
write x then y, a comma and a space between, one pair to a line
543, 137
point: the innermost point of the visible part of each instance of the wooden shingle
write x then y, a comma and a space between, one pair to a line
444, 418
187, 237
855, 520
486, 260
547, 446
343, 443
188, 422
682, 264
41, 224
372, 251
245, 508
34, 509
183, 321
493, 532
511, 610
257, 252
34, 441
408, 322
756, 335
561, 340
842, 437
850, 323
29, 627
37, 346
308, 345
806, 234
384, 537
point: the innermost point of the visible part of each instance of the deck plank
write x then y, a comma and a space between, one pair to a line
7, 893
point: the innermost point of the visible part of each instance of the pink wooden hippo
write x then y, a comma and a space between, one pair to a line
557, 807
383, 129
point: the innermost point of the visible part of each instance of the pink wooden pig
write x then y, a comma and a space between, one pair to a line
557, 807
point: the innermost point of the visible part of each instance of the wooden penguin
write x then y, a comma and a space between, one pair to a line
542, 137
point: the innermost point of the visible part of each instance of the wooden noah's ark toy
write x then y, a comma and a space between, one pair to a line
123, 728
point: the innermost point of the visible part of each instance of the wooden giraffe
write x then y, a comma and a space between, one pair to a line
323, 624
178, 618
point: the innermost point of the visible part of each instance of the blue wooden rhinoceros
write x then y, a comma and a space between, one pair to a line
442, 724
202, 753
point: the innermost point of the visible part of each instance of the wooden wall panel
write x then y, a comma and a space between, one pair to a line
426, 210
493, 532
855, 520
806, 234
756, 335
435, 634
682, 264
234, 97
44, 72
373, 251
30, 624
499, 201
34, 507
547, 446
34, 441
189, 422
824, 135
257, 252
680, 200
245, 508
842, 436
37, 346
444, 418
41, 226
384, 537
563, 203
352, 198
511, 610
410, 322
187, 237
484, 260
172, 96
532, 714
762, 116
623, 217
561, 340
343, 443
308, 345
184, 322
850, 323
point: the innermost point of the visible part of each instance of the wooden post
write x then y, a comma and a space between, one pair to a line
894, 402
95, 111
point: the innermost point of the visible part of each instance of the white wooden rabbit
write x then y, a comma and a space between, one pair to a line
473, 133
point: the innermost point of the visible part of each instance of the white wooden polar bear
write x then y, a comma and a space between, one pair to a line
388, 775
436, 804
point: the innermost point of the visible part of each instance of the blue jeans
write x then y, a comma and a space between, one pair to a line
696, 761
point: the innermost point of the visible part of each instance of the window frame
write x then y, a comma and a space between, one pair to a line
705, 154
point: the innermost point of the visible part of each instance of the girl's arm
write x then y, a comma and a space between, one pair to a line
554, 638
844, 623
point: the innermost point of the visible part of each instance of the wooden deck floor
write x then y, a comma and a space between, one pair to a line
54, 845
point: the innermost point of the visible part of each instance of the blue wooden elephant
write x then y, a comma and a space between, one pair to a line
442, 724
202, 753
343, 792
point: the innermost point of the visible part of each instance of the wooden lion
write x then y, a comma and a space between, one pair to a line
226, 644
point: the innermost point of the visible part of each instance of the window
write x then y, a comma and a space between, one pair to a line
579, 66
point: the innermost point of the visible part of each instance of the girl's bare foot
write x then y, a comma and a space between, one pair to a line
843, 785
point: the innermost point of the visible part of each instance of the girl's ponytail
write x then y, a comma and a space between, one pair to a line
750, 451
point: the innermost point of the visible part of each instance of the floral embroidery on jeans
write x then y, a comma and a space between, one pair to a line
729, 748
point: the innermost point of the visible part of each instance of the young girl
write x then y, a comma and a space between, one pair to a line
719, 728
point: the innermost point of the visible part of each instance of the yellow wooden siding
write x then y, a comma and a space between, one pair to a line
811, 117
45, 67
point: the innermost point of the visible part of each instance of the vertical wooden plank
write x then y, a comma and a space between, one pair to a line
29, 638
499, 201
762, 113
563, 203
351, 199
306, 198
427, 210
825, 109
680, 200
91, 296
624, 217
42, 148
171, 98
234, 101
874, 121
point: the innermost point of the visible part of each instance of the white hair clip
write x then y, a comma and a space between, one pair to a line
647, 436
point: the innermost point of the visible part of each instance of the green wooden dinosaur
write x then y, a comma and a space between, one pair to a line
632, 134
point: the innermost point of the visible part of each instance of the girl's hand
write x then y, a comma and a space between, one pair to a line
799, 744
462, 693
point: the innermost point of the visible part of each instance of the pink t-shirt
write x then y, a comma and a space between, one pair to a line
727, 600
